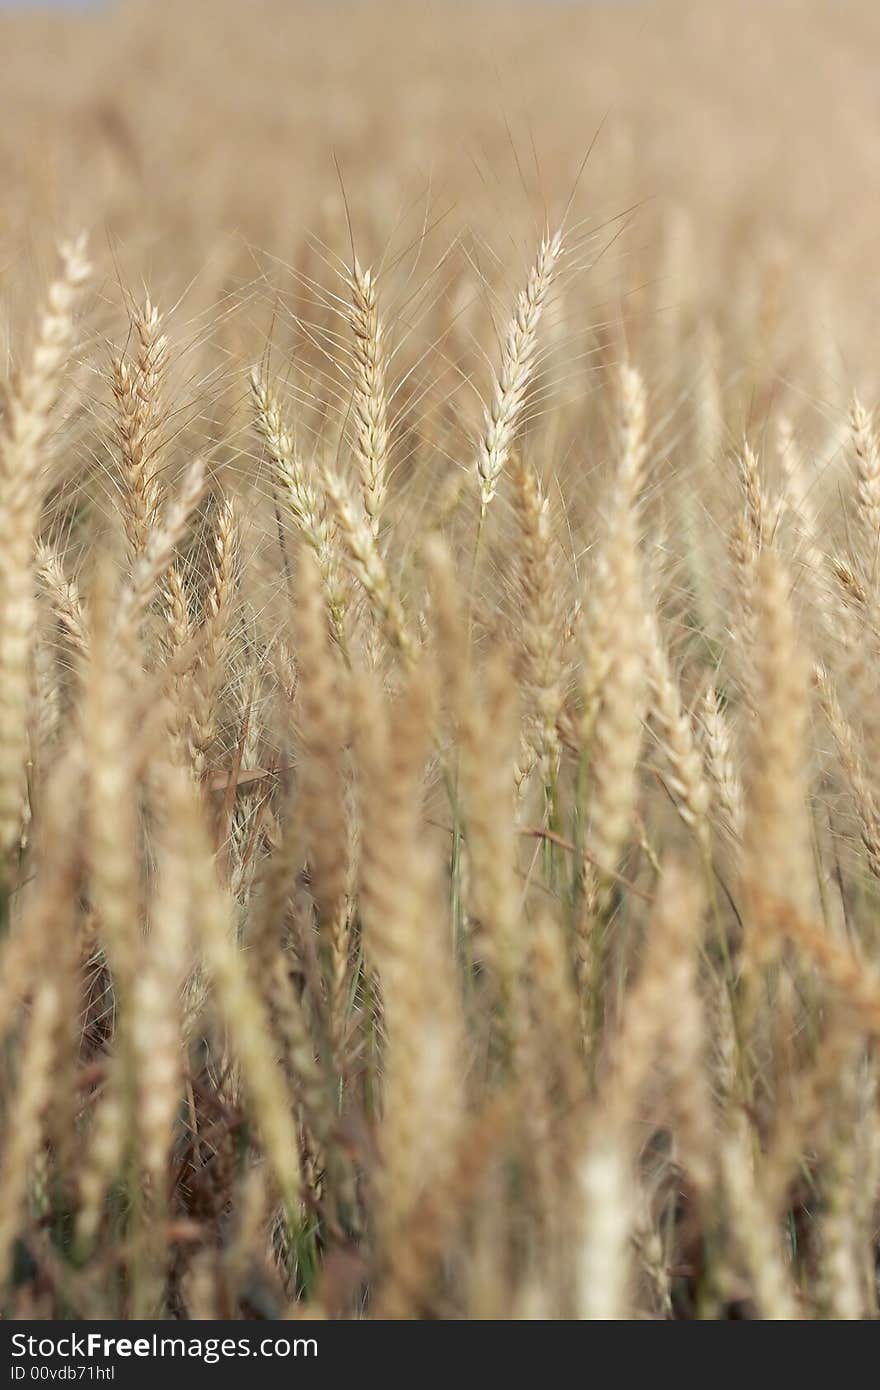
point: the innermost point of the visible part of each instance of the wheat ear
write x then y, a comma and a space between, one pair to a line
137, 388
866, 459
301, 493
778, 842
540, 627
368, 565
23, 433
370, 399
510, 384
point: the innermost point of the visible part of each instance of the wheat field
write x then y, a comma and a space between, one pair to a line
439, 660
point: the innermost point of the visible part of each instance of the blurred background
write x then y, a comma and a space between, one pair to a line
213, 144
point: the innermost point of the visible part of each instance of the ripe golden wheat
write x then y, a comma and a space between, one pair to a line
439, 655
